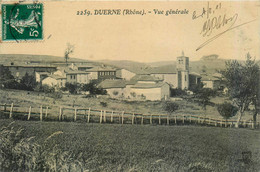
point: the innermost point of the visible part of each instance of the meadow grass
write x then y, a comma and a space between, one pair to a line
115, 147
36, 99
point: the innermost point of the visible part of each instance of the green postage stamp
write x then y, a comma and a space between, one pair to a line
22, 22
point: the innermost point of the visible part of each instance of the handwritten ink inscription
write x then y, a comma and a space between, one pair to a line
215, 22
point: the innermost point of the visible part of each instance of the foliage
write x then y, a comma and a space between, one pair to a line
177, 92
133, 94
93, 89
20, 153
28, 82
203, 97
44, 88
227, 110
72, 88
170, 107
7, 80
242, 82
90, 87
115, 93
104, 104
196, 88
55, 95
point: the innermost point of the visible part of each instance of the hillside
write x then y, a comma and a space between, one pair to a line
7, 58
24, 58
209, 66
162, 63
133, 66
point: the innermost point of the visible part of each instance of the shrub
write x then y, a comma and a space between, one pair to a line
55, 95
104, 104
44, 88
227, 110
133, 94
115, 93
177, 92
170, 107
196, 88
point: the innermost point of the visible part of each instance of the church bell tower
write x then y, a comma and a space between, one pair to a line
183, 72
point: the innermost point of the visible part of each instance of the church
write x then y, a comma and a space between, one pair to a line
178, 77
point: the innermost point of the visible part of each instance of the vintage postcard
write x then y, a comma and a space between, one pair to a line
130, 86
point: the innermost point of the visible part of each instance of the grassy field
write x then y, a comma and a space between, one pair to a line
35, 99
114, 147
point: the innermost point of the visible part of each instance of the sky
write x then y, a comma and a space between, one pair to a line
146, 38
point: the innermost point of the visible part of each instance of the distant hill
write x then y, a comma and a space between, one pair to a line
133, 66
209, 66
23, 58
162, 63
210, 57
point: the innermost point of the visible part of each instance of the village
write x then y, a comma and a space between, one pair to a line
152, 85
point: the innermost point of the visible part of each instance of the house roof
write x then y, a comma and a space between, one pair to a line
56, 77
195, 74
109, 83
149, 85
209, 78
77, 72
217, 75
142, 78
100, 69
70, 71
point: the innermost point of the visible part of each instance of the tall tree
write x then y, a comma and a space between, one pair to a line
7, 80
242, 82
69, 50
28, 82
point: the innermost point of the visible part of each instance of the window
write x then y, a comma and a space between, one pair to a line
185, 77
70, 76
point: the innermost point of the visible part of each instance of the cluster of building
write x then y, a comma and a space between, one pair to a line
118, 82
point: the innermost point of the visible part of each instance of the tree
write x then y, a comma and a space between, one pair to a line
227, 110
203, 96
196, 88
242, 82
93, 89
72, 88
28, 82
7, 80
69, 50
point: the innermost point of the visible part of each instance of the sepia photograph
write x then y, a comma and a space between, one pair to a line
129, 86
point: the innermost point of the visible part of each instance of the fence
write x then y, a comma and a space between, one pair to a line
107, 116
